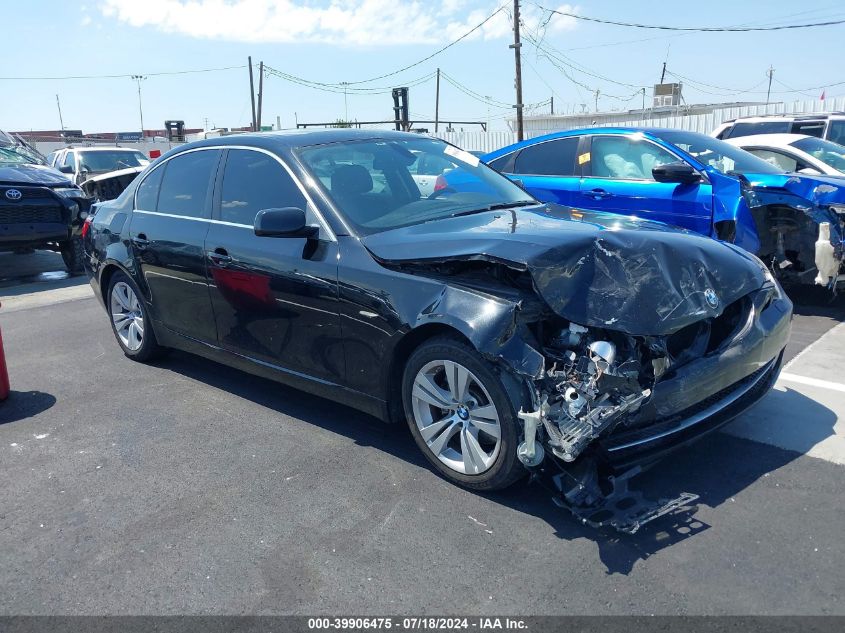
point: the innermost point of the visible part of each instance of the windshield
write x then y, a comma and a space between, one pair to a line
385, 184
717, 154
9, 155
103, 161
829, 153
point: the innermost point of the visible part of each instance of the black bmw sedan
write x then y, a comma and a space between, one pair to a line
510, 335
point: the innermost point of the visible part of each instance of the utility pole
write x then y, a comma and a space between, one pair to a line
663, 74
139, 79
643, 99
770, 72
437, 103
345, 102
61, 121
260, 95
597, 99
518, 77
552, 106
251, 92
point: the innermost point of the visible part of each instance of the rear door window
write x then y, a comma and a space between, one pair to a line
185, 184
810, 128
147, 197
778, 159
253, 181
551, 158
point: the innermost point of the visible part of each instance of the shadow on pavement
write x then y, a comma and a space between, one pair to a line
24, 404
717, 468
817, 301
33, 272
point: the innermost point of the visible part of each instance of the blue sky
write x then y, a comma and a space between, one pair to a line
354, 40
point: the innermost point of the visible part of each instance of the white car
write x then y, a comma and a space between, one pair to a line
83, 163
795, 152
827, 125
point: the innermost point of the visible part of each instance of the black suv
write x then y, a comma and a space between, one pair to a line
39, 207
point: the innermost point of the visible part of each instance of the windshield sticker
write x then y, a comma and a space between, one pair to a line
584, 158
461, 155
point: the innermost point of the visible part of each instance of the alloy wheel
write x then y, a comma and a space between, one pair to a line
127, 316
456, 417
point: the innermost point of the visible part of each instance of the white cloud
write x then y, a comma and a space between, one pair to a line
342, 22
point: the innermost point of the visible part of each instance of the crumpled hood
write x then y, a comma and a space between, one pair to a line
819, 190
32, 175
593, 268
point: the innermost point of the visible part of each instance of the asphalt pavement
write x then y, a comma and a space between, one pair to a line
188, 487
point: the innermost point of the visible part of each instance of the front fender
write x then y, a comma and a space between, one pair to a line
491, 324
730, 205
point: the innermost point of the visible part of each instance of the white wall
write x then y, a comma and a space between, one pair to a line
477, 140
704, 123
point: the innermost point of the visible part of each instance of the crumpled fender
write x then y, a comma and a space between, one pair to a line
811, 195
489, 323
730, 205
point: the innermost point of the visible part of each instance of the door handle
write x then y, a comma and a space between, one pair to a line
140, 241
219, 257
598, 194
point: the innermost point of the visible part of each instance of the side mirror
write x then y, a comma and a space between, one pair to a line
679, 172
65, 169
285, 222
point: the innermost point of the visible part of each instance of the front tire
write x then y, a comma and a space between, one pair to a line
129, 319
73, 255
461, 416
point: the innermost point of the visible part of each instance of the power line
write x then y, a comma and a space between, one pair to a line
752, 90
474, 95
125, 75
435, 53
702, 29
341, 88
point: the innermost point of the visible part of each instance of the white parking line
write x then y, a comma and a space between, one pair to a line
805, 412
829, 334
813, 382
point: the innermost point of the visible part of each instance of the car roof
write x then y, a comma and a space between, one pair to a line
798, 116
100, 148
655, 133
291, 139
772, 140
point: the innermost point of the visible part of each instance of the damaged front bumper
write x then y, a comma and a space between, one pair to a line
690, 399
800, 222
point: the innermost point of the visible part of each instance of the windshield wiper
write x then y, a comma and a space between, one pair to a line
495, 207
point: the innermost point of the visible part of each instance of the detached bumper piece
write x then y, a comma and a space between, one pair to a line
621, 508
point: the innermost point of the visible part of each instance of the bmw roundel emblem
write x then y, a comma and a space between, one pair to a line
711, 298
13, 194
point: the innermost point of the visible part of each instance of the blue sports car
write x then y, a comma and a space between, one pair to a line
794, 222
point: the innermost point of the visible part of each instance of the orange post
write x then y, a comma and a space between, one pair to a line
4, 375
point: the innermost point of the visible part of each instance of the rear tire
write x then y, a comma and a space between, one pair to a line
73, 255
461, 416
129, 319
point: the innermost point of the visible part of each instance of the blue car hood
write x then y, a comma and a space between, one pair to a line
819, 190
593, 268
